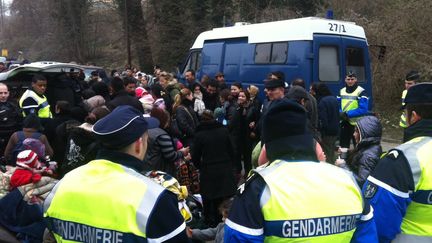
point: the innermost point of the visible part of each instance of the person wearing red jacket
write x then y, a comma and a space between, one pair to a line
28, 169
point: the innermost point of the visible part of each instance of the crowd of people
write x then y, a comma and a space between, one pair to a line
120, 128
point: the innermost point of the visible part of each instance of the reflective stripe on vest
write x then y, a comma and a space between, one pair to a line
402, 122
310, 201
91, 202
349, 101
43, 105
418, 218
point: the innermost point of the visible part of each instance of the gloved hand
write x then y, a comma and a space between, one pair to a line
343, 116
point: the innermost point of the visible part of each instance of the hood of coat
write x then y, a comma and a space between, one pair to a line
370, 130
174, 83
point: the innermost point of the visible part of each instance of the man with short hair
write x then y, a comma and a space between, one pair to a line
121, 97
190, 79
94, 78
400, 187
220, 78
354, 105
33, 101
10, 117
130, 84
211, 95
108, 198
129, 72
410, 80
299, 95
295, 198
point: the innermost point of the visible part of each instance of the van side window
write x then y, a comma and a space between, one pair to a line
194, 62
279, 52
262, 53
271, 52
329, 68
355, 62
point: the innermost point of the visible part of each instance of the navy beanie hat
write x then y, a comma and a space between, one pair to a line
285, 133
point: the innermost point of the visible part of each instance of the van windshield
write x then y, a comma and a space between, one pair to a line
194, 62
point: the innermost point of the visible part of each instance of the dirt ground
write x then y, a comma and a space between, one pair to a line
389, 116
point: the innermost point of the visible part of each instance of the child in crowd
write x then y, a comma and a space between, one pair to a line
29, 169
217, 233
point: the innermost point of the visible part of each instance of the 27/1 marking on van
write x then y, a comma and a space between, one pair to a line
338, 28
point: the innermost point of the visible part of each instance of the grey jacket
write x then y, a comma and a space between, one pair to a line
216, 234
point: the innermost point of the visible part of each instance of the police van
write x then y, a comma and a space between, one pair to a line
314, 49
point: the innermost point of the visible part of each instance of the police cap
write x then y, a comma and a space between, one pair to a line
419, 94
412, 76
351, 74
123, 126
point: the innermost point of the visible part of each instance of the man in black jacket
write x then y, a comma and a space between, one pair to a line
121, 97
10, 117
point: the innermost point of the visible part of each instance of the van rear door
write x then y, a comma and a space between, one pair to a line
357, 60
336, 55
328, 57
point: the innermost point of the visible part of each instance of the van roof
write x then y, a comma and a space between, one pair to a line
295, 29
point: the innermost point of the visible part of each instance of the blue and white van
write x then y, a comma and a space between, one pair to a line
314, 49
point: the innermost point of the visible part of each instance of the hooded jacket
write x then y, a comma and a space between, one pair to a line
368, 151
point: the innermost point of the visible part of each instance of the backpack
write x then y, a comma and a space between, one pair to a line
20, 146
80, 149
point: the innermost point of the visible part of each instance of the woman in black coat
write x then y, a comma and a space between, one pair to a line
185, 116
212, 154
242, 131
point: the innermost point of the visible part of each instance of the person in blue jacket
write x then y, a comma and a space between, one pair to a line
400, 187
354, 104
295, 198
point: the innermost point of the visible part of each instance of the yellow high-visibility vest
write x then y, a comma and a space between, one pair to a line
42, 104
417, 223
349, 101
101, 200
309, 202
403, 122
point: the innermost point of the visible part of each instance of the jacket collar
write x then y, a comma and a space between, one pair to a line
352, 88
121, 158
421, 128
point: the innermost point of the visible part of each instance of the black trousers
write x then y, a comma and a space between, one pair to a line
243, 151
212, 216
346, 134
